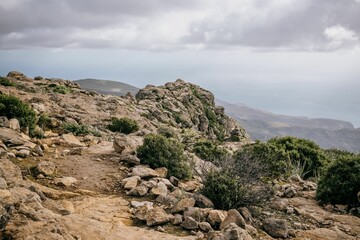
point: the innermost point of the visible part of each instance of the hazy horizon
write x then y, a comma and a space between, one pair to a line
288, 56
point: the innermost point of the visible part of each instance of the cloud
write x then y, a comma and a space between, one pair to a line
299, 25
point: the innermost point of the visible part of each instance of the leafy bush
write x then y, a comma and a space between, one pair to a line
167, 132
76, 129
210, 151
237, 184
273, 160
340, 182
44, 122
123, 125
302, 152
12, 107
159, 151
6, 82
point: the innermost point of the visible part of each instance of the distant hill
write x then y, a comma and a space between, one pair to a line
107, 87
262, 125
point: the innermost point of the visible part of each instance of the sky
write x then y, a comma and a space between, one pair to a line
296, 57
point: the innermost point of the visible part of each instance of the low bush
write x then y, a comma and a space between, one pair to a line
44, 122
61, 89
340, 182
76, 129
12, 107
273, 160
159, 151
123, 125
6, 82
237, 184
210, 151
302, 152
167, 132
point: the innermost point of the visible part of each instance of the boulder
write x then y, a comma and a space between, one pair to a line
290, 192
202, 201
216, 217
233, 217
130, 182
189, 223
127, 144
162, 172
178, 218
9, 171
137, 204
190, 186
70, 140
167, 200
66, 208
23, 153
276, 228
156, 216
159, 189
14, 124
233, 231
143, 172
38, 107
131, 159
140, 190
183, 204
246, 214
205, 226
199, 214
3, 184
11, 138
65, 181
45, 168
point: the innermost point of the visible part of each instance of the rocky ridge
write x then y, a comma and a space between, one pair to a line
94, 187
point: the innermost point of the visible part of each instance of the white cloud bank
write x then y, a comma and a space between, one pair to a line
295, 25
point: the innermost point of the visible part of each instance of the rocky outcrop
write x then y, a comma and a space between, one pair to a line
187, 105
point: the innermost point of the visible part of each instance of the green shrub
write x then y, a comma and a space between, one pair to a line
61, 89
159, 151
210, 151
273, 160
340, 182
12, 107
76, 129
44, 122
6, 82
302, 152
236, 185
123, 125
167, 132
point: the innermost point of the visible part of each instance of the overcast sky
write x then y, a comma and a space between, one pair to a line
297, 57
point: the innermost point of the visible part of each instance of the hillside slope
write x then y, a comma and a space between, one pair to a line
328, 133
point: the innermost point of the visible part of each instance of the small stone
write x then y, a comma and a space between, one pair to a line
3, 184
160, 229
156, 216
205, 226
160, 189
23, 153
66, 207
216, 217
183, 204
162, 172
199, 214
130, 182
276, 228
65, 181
233, 217
189, 186
233, 231
143, 172
131, 159
46, 168
178, 218
174, 181
290, 192
14, 124
202, 201
189, 223
137, 204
